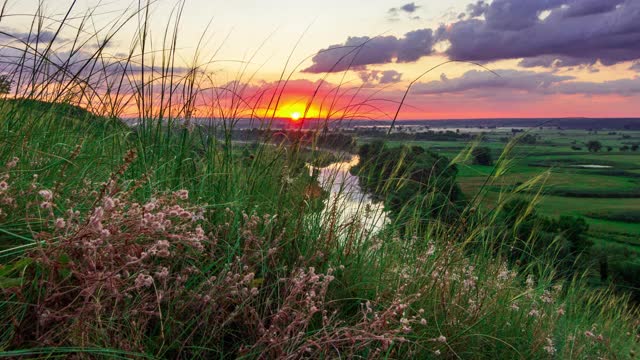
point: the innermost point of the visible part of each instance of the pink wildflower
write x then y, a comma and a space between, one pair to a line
12, 163
60, 223
150, 206
560, 311
109, 203
550, 348
163, 273
182, 194
143, 281
47, 195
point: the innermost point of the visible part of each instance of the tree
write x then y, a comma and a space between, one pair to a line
624, 148
594, 146
482, 156
5, 84
634, 147
528, 139
410, 178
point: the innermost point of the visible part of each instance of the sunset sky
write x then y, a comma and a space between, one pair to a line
548, 58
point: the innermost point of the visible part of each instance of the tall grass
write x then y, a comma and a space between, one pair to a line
165, 240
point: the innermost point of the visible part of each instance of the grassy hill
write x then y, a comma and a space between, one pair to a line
166, 243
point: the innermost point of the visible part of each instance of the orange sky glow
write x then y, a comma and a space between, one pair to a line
355, 59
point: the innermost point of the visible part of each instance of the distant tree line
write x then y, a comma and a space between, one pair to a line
596, 146
430, 135
329, 140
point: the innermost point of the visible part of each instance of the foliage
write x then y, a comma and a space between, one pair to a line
407, 177
564, 239
482, 156
5, 84
594, 146
528, 139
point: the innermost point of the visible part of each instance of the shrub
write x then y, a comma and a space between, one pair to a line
594, 146
482, 156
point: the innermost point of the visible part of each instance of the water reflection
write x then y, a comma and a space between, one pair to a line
348, 200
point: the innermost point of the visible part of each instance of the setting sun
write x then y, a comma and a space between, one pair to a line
295, 116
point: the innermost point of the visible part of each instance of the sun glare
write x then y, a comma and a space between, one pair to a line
295, 116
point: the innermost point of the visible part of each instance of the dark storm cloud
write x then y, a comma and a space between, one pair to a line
526, 81
548, 32
358, 52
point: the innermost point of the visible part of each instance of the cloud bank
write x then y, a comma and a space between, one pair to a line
547, 32
358, 52
546, 83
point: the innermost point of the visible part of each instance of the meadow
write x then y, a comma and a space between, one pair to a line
606, 197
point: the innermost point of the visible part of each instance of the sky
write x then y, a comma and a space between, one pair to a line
458, 58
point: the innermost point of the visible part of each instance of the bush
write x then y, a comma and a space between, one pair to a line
482, 156
594, 146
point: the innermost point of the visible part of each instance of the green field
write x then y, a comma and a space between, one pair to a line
568, 190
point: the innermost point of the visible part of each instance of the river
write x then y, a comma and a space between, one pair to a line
347, 198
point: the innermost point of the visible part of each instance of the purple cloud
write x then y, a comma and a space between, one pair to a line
390, 77
380, 77
531, 82
548, 32
358, 52
475, 80
591, 7
32, 38
635, 66
410, 7
624, 87
477, 9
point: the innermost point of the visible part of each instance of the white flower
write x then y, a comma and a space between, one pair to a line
530, 281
